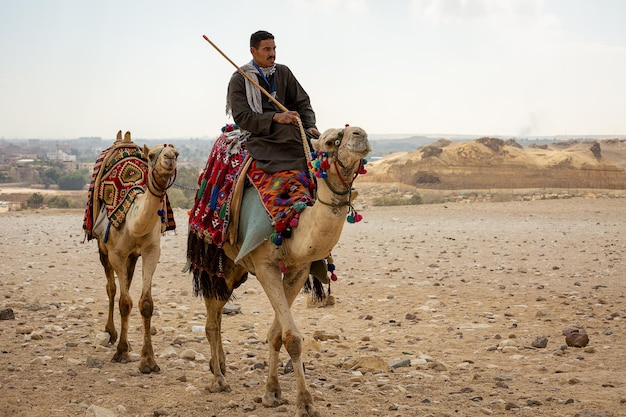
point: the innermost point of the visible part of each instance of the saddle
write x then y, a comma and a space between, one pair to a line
230, 183
119, 175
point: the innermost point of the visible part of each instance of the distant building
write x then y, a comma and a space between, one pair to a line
61, 156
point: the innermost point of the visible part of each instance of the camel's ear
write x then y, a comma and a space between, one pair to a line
119, 136
127, 137
146, 152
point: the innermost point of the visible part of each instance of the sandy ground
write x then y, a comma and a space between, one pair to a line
437, 311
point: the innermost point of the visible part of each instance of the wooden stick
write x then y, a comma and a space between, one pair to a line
280, 106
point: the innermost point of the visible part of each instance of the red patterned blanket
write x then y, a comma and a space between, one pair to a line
210, 216
284, 195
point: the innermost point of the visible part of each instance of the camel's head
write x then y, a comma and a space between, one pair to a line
162, 158
347, 144
162, 167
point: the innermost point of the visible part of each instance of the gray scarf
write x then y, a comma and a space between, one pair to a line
253, 94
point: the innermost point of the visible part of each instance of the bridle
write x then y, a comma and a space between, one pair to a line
347, 185
337, 164
153, 185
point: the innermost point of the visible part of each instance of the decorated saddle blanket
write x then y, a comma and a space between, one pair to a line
211, 214
119, 175
238, 201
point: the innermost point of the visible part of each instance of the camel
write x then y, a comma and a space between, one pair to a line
317, 233
138, 235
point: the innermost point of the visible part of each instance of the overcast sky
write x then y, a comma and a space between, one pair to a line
74, 68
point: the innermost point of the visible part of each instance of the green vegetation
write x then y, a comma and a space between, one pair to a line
34, 201
75, 180
183, 193
58, 202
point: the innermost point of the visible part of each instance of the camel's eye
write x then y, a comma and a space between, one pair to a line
330, 142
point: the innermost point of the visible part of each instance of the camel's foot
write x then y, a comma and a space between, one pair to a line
121, 356
112, 336
147, 365
219, 385
273, 399
307, 411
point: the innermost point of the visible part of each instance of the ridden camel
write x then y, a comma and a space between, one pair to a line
139, 235
317, 233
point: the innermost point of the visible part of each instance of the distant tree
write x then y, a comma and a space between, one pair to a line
51, 175
74, 180
58, 202
183, 193
34, 201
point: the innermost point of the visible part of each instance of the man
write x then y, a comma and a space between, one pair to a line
275, 140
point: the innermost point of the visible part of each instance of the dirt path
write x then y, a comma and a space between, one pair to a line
437, 310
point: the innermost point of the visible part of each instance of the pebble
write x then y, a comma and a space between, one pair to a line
540, 342
192, 355
96, 411
7, 314
23, 329
577, 339
400, 363
102, 339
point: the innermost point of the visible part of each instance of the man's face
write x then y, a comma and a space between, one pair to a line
265, 54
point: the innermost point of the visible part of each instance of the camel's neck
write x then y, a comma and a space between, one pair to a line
143, 215
320, 226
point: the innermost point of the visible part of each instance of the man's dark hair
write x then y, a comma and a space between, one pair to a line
258, 36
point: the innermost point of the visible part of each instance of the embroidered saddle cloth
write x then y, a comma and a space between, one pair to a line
212, 213
239, 203
119, 175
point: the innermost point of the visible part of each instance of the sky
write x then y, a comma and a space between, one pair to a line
519, 68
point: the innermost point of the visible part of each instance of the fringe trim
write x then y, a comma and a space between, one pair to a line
316, 288
206, 264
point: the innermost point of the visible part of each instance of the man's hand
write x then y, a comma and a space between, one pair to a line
287, 118
313, 131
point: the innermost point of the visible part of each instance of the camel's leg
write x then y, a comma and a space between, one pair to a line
273, 394
148, 363
282, 294
111, 291
235, 275
121, 265
213, 331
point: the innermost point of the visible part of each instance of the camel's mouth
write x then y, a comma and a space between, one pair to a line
359, 144
168, 162
360, 148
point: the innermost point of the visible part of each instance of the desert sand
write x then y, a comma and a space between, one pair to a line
440, 310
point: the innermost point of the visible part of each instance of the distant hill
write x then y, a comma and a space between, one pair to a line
496, 163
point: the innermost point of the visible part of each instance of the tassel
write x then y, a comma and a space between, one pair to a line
354, 217
282, 266
294, 222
